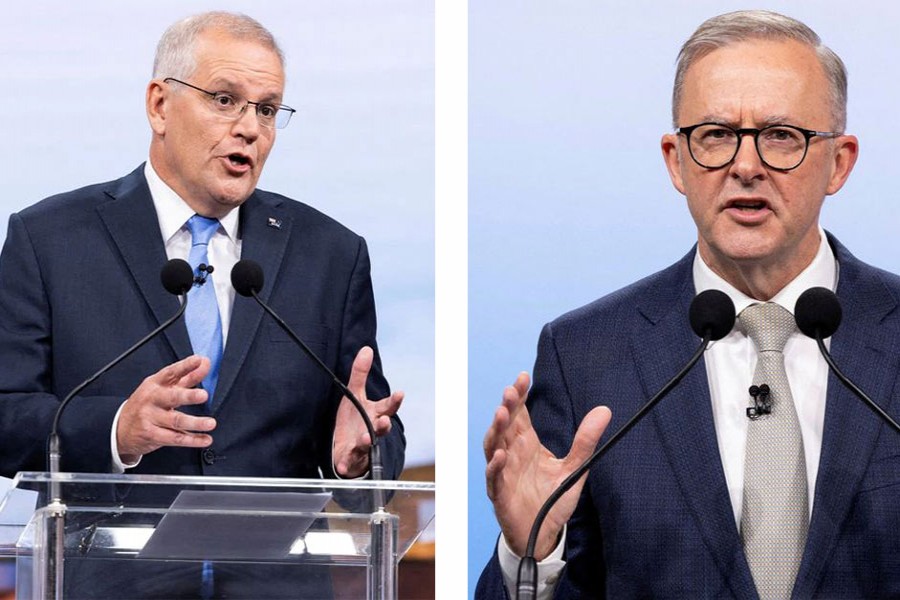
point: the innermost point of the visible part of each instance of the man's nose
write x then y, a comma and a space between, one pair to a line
247, 124
748, 164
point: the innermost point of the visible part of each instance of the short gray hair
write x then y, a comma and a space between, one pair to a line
175, 53
745, 25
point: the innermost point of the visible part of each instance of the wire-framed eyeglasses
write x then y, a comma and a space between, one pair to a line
231, 106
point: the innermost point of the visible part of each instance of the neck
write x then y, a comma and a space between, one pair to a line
159, 164
758, 279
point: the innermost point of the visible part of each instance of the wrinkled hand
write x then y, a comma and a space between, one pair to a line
521, 473
350, 452
149, 419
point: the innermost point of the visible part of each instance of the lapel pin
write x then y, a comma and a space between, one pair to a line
273, 222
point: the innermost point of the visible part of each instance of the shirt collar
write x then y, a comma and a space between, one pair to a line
821, 272
173, 213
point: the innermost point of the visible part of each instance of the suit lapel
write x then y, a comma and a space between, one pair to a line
685, 422
130, 218
265, 230
861, 348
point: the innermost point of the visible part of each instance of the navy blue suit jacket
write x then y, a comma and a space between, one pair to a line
79, 283
655, 519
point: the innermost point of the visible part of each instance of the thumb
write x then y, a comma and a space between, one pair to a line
592, 427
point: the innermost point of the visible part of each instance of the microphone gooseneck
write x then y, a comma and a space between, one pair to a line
177, 278
247, 278
712, 317
818, 315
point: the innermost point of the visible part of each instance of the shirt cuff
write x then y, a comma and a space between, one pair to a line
549, 569
117, 465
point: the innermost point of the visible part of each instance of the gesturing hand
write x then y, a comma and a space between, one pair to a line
521, 473
149, 419
350, 452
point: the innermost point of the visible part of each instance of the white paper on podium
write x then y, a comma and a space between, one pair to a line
225, 535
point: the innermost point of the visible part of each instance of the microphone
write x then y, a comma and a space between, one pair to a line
711, 316
177, 277
247, 279
818, 315
204, 271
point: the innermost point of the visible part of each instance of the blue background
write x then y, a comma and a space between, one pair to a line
569, 198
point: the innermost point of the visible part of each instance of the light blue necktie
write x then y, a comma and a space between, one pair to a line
202, 315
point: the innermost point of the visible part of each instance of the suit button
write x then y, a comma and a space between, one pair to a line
209, 456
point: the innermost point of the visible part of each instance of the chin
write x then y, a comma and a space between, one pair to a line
232, 196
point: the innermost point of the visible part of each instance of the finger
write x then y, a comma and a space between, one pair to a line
185, 439
522, 383
514, 397
359, 372
388, 406
194, 377
172, 374
382, 425
592, 427
179, 421
493, 473
494, 439
171, 398
520, 420
355, 460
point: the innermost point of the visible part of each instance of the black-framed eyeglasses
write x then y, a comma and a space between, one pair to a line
780, 147
232, 107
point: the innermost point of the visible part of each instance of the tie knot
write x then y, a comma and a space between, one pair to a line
202, 229
769, 325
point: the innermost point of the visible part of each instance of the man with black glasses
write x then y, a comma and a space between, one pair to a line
704, 499
223, 392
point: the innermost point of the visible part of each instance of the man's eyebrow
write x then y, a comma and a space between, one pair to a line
226, 85
779, 119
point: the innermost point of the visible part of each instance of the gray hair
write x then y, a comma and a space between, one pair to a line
175, 53
745, 25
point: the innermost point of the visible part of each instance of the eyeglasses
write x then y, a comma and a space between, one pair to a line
232, 107
780, 147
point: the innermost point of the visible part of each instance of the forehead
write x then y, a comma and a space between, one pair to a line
242, 62
756, 81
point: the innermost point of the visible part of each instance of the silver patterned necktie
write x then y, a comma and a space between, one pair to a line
775, 513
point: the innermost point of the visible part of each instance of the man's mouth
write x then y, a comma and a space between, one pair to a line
748, 205
238, 160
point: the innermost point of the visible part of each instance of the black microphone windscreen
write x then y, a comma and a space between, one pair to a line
818, 311
247, 277
177, 276
712, 312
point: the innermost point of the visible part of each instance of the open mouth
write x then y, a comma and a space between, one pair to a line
238, 160
748, 205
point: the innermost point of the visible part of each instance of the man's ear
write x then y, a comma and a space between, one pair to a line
157, 97
846, 151
672, 156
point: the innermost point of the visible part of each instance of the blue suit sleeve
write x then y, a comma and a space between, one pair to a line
358, 330
29, 397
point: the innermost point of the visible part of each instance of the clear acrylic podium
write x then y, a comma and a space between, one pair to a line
159, 536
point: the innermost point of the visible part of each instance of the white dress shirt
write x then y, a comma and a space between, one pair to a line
224, 251
730, 363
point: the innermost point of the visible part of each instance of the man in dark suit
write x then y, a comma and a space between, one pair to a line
759, 109
79, 283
